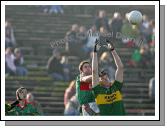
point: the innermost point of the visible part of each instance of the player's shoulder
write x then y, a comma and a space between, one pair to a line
96, 87
117, 82
77, 77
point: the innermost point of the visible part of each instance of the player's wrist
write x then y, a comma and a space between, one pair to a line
95, 50
112, 49
97, 46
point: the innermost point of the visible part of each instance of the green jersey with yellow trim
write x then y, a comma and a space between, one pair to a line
109, 100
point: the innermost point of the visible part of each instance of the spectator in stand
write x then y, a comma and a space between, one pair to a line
126, 30
82, 35
151, 31
92, 35
145, 29
146, 58
72, 44
10, 67
82, 39
135, 59
9, 35
102, 21
116, 24
152, 42
66, 67
152, 88
18, 61
54, 66
57, 9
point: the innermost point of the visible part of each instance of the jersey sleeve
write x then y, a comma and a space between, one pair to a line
118, 84
95, 90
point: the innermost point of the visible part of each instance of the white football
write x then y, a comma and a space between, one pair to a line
135, 17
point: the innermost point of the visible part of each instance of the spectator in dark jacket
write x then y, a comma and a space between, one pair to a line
116, 24
54, 67
72, 43
102, 21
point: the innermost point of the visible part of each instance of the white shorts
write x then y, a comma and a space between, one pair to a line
93, 106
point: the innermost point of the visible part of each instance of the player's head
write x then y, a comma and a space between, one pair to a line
21, 93
85, 68
103, 75
30, 97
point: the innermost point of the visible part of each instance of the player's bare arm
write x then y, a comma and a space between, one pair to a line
118, 62
95, 75
86, 78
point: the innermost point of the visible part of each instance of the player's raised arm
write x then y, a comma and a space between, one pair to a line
118, 62
86, 78
95, 75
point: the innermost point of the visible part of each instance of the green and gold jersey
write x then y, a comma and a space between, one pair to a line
84, 92
109, 100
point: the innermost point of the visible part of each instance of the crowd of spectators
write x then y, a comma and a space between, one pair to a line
140, 38
14, 62
14, 59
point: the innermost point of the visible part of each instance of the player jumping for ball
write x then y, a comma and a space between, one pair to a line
107, 94
84, 90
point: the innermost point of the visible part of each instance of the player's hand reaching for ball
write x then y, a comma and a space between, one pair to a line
97, 46
110, 45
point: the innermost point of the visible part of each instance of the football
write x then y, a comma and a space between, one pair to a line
135, 17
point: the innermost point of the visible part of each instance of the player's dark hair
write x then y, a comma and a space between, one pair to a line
102, 73
81, 65
17, 92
